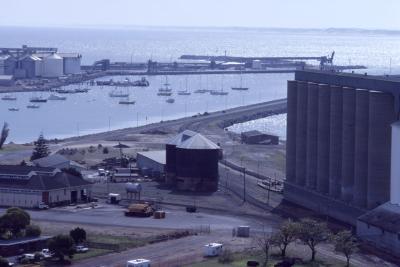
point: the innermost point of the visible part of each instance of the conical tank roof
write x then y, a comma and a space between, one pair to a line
198, 141
181, 137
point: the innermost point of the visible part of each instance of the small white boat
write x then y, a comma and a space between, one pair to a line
201, 91
215, 92
170, 100
184, 93
164, 93
9, 98
56, 97
38, 100
127, 102
118, 94
33, 106
13, 109
81, 90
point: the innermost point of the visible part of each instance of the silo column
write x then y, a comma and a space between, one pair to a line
301, 132
291, 131
312, 135
324, 100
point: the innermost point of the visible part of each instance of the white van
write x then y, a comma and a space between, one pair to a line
138, 263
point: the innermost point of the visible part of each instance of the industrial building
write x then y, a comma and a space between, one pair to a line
192, 162
151, 162
29, 186
32, 62
71, 63
338, 151
58, 161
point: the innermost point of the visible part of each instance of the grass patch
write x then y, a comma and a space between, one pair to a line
93, 252
123, 242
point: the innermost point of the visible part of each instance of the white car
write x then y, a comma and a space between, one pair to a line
81, 249
46, 253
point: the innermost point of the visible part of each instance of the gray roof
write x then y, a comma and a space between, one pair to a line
54, 160
181, 137
386, 217
157, 155
40, 181
198, 141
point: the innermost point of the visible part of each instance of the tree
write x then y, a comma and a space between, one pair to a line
4, 262
346, 243
4, 134
33, 231
78, 235
264, 244
61, 246
41, 149
15, 219
312, 233
286, 235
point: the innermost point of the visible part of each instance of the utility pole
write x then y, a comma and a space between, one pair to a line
244, 184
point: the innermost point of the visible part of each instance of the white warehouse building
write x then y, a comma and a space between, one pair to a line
28, 186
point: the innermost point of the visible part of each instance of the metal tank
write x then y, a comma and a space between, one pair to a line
348, 145
291, 131
361, 148
335, 144
197, 164
312, 136
323, 139
381, 115
301, 133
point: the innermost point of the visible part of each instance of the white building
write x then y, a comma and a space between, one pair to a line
71, 62
27, 186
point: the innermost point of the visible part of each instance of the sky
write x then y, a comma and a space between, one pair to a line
368, 14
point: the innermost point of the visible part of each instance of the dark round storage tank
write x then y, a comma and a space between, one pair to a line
197, 164
170, 148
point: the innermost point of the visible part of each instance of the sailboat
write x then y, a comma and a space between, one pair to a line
9, 98
240, 88
170, 100
33, 106
56, 97
185, 92
166, 88
127, 101
118, 94
220, 92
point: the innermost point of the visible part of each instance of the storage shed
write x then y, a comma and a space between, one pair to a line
258, 138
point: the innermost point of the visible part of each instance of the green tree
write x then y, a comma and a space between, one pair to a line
4, 262
312, 232
41, 149
78, 235
61, 246
287, 234
346, 243
4, 134
15, 220
33, 231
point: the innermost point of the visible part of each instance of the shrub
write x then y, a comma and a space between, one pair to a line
225, 257
33, 231
3, 262
105, 150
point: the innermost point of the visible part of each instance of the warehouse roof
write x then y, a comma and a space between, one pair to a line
6, 77
54, 160
43, 179
157, 155
386, 217
198, 141
181, 137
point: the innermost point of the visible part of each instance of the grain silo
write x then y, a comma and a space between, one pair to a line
170, 148
32, 66
72, 62
197, 164
52, 66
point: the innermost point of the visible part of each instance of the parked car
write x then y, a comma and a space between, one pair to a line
42, 206
46, 253
81, 249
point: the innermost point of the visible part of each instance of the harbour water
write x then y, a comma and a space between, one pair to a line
95, 111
